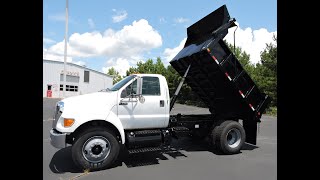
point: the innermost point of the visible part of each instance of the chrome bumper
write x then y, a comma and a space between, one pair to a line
58, 140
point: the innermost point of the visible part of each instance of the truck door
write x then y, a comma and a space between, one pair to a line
147, 113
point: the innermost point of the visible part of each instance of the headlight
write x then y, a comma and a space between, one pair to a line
60, 104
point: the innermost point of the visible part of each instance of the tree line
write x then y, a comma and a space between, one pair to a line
263, 73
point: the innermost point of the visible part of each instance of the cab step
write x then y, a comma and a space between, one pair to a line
145, 149
147, 132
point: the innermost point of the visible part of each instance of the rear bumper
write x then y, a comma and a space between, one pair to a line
58, 139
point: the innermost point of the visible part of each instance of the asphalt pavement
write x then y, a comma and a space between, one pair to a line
185, 160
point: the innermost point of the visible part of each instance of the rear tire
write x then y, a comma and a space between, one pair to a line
95, 148
228, 137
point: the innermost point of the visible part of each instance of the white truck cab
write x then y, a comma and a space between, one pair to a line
139, 101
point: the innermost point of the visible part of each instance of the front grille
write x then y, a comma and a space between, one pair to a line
57, 114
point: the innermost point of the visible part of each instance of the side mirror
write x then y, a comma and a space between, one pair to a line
139, 88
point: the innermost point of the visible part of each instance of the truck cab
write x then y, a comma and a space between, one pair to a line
137, 102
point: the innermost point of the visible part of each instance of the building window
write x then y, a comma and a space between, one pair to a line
69, 88
86, 76
74, 79
151, 86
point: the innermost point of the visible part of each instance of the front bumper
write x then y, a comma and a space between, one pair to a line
58, 139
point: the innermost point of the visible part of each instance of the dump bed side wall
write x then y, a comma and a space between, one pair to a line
238, 77
219, 79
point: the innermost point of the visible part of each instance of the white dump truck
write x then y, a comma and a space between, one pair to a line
135, 112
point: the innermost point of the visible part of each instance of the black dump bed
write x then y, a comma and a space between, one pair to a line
215, 73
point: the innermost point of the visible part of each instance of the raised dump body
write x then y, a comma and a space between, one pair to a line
215, 73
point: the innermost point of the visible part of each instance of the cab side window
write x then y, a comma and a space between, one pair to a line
129, 90
151, 86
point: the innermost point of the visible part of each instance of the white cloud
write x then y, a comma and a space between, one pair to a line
251, 41
58, 50
48, 41
91, 23
181, 20
169, 53
55, 57
119, 16
119, 64
125, 46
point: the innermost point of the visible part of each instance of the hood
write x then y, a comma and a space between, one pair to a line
94, 103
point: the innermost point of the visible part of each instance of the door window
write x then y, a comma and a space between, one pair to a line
150, 86
130, 89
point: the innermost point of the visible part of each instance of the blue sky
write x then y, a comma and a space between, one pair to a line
105, 33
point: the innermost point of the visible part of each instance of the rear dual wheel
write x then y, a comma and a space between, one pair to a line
228, 137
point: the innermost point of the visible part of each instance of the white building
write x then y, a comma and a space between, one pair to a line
80, 80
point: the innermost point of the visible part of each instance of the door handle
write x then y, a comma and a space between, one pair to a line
123, 103
161, 103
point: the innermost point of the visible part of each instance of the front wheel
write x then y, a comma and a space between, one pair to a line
95, 149
229, 137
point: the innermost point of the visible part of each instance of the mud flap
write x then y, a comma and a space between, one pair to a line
250, 127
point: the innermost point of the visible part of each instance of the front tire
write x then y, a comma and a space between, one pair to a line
229, 137
95, 148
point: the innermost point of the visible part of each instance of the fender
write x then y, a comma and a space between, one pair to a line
114, 120
84, 118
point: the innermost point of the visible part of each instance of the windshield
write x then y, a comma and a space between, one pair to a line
121, 83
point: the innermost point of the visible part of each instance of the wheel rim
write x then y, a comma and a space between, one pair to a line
96, 149
233, 138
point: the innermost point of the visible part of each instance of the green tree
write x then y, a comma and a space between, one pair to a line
173, 79
148, 67
159, 67
186, 95
244, 59
267, 71
116, 76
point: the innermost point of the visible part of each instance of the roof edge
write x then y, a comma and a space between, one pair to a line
69, 63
